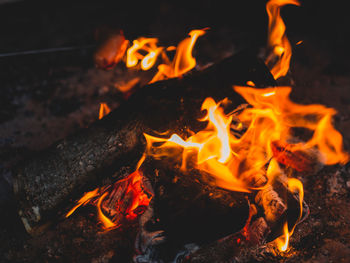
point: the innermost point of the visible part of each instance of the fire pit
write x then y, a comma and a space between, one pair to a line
199, 154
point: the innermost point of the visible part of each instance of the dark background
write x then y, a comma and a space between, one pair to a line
41, 24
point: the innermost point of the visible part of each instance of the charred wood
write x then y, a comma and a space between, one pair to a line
44, 183
187, 209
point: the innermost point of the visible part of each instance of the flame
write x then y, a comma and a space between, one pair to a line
212, 147
183, 60
294, 185
235, 148
250, 83
136, 53
283, 241
145, 52
125, 198
106, 222
277, 39
104, 110
276, 114
83, 201
237, 163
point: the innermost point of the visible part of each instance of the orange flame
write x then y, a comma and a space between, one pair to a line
106, 222
277, 39
104, 110
183, 60
212, 147
145, 52
282, 242
83, 201
237, 160
232, 161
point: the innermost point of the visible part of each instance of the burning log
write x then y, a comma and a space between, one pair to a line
187, 209
46, 182
309, 160
271, 202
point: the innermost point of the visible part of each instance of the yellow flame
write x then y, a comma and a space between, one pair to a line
294, 185
145, 52
183, 60
269, 94
277, 39
238, 163
283, 241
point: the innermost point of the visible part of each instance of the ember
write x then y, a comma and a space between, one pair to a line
123, 200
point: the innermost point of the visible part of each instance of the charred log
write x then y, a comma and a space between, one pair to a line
46, 181
188, 209
309, 160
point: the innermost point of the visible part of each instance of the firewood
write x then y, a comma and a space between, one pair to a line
308, 160
44, 184
273, 205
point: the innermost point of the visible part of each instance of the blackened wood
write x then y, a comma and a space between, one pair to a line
45, 182
190, 208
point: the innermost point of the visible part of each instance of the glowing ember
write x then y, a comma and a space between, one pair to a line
124, 200
277, 39
104, 110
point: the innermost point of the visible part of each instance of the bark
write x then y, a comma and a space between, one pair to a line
45, 183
